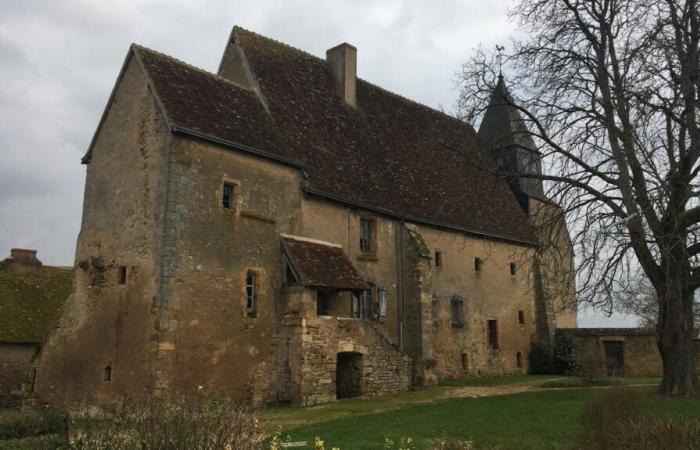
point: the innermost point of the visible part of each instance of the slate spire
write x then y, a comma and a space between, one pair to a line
504, 132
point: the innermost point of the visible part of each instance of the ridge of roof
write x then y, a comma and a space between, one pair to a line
368, 83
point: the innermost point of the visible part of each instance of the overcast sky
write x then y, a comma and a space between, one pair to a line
59, 61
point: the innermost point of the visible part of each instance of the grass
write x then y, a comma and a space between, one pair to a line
544, 419
579, 382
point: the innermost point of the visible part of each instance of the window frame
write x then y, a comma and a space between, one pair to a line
368, 248
231, 196
382, 299
457, 311
252, 284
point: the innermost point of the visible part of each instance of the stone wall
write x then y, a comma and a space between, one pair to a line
641, 355
315, 344
15, 368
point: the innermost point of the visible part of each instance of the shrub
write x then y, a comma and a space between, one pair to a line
540, 359
43, 442
18, 425
650, 433
180, 422
604, 414
564, 355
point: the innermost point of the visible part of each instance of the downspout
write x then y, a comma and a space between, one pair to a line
400, 283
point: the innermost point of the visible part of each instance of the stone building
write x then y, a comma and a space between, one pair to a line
284, 231
617, 352
31, 296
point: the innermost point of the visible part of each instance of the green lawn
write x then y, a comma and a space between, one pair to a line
544, 419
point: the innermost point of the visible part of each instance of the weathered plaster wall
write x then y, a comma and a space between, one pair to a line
15, 367
490, 293
106, 323
214, 342
554, 271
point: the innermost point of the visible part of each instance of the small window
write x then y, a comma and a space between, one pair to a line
519, 360
382, 303
365, 311
493, 333
229, 197
251, 290
477, 264
521, 317
457, 304
121, 275
321, 303
438, 258
367, 235
464, 362
513, 269
434, 310
107, 373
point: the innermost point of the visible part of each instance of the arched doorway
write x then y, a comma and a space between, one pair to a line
348, 375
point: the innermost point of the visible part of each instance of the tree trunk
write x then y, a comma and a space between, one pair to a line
674, 337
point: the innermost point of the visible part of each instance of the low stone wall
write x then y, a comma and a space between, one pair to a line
314, 361
640, 353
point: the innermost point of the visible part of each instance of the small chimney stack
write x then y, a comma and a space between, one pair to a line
342, 61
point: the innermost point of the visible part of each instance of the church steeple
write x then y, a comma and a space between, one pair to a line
506, 135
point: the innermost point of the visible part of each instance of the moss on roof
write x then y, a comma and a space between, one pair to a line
31, 302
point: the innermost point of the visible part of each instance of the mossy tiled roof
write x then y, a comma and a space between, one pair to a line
389, 154
30, 303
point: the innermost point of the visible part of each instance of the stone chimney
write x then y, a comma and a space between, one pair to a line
22, 260
342, 61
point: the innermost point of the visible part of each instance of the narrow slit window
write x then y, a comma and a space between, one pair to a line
121, 275
251, 289
434, 310
229, 197
521, 317
477, 264
438, 258
107, 373
493, 333
464, 362
519, 360
513, 268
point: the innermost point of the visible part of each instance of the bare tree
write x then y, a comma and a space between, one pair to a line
609, 88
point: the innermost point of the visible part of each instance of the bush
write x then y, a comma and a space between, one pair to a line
43, 442
564, 355
649, 433
541, 359
180, 422
18, 425
603, 414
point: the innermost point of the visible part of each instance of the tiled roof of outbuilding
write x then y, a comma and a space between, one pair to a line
389, 154
321, 264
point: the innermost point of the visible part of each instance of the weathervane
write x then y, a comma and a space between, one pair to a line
499, 58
